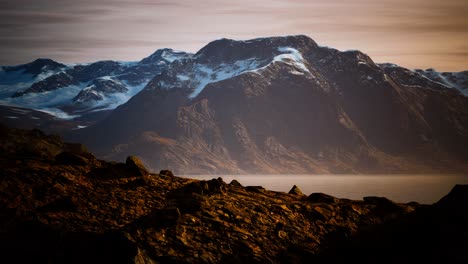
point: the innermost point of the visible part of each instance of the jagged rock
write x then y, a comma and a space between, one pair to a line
135, 166
235, 183
296, 191
167, 173
68, 158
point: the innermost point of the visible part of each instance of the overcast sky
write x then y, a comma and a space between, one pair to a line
412, 33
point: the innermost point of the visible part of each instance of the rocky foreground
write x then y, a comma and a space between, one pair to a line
59, 204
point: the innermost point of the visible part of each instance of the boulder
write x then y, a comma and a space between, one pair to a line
321, 198
167, 173
296, 191
135, 166
235, 183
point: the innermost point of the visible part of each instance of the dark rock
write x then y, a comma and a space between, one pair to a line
132, 184
457, 199
164, 217
383, 206
112, 247
235, 183
257, 189
68, 158
380, 201
296, 191
321, 198
63, 204
51, 83
167, 173
135, 166
99, 88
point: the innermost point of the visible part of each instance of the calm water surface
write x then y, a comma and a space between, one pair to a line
399, 188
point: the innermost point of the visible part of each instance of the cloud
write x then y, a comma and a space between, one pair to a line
95, 29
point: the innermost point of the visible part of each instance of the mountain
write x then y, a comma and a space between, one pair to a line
60, 204
458, 80
79, 91
287, 105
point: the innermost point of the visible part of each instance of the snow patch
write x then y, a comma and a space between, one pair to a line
292, 57
106, 78
204, 74
199, 75
128, 64
58, 113
111, 101
171, 56
183, 77
46, 101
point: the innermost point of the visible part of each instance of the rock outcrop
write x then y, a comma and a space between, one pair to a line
62, 208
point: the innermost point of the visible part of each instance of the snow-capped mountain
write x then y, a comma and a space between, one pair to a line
70, 91
429, 77
458, 80
287, 105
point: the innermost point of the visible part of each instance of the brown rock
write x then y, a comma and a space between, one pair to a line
321, 198
296, 191
235, 183
135, 166
257, 189
166, 173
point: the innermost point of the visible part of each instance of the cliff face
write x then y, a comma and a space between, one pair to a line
59, 204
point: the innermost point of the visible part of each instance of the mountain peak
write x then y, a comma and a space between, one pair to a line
232, 50
164, 54
37, 66
44, 61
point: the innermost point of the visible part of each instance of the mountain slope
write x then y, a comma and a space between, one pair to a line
287, 105
70, 91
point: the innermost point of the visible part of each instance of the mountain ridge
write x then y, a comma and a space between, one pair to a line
295, 108
283, 105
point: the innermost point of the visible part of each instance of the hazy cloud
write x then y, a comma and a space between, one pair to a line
417, 33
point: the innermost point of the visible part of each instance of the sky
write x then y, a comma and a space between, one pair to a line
411, 33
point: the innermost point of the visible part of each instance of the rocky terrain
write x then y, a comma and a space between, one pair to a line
59, 204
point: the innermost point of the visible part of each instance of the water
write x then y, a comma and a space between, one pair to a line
425, 189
